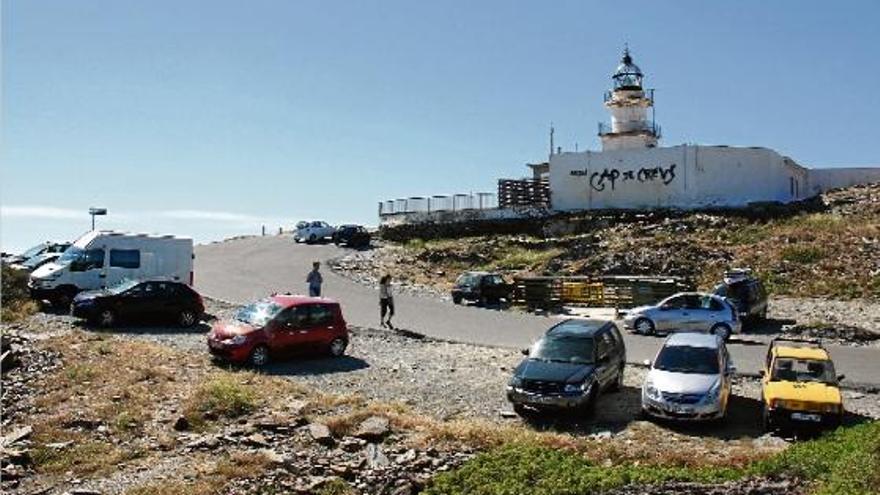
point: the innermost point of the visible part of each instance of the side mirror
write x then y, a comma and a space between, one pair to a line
525, 352
647, 362
841, 378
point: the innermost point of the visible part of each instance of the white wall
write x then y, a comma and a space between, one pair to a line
676, 177
823, 179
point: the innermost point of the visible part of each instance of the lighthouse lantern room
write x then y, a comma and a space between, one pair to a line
629, 103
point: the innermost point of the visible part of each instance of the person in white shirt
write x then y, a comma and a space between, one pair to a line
386, 302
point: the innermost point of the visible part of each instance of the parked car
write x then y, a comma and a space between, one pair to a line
686, 312
312, 232
136, 301
690, 379
353, 236
103, 258
746, 292
799, 386
481, 287
47, 247
569, 367
279, 325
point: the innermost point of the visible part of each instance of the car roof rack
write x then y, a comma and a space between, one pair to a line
806, 342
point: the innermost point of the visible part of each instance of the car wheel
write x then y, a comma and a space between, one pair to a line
721, 330
766, 422
64, 298
645, 326
259, 356
312, 238
618, 381
590, 407
521, 411
106, 318
456, 299
337, 347
187, 318
484, 301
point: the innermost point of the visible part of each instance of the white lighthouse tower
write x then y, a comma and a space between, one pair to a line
629, 103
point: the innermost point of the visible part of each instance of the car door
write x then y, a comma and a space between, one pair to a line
289, 329
87, 272
132, 303
670, 315
170, 301
702, 313
605, 364
321, 326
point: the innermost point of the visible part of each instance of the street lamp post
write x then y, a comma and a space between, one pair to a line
96, 211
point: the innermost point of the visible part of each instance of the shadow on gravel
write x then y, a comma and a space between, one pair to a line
298, 366
150, 328
768, 326
614, 411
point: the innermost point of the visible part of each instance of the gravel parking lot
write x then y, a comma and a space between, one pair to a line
453, 380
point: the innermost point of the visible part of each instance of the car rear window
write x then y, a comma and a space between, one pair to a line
565, 349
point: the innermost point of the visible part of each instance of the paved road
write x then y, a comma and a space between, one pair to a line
246, 269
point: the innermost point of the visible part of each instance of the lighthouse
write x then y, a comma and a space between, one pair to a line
628, 104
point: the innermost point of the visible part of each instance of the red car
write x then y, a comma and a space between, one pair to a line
280, 325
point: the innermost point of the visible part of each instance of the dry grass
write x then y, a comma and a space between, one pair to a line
135, 390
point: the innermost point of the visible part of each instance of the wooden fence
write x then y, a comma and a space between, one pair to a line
617, 291
523, 192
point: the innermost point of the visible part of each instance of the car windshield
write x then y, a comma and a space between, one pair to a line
123, 286
687, 359
30, 253
468, 279
70, 254
803, 370
564, 349
258, 313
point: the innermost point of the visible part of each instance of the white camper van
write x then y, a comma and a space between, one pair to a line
103, 258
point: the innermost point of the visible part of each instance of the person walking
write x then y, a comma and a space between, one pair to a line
386, 302
314, 279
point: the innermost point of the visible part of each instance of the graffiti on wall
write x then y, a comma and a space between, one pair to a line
609, 177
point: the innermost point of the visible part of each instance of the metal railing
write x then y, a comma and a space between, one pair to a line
650, 127
648, 94
427, 204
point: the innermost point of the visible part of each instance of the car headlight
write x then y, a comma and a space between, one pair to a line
712, 395
237, 340
515, 382
577, 388
652, 391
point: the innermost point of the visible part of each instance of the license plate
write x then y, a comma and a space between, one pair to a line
815, 418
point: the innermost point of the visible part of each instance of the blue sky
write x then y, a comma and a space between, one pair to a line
208, 118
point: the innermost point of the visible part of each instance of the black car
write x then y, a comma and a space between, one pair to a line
745, 292
139, 302
569, 367
481, 287
354, 236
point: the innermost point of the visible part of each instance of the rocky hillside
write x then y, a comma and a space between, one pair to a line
831, 251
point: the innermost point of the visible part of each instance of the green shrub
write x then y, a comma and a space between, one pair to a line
845, 462
804, 255
538, 470
222, 396
16, 301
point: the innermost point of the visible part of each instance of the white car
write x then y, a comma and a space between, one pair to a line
690, 379
313, 231
686, 312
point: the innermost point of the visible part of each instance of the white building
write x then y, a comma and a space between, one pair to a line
632, 172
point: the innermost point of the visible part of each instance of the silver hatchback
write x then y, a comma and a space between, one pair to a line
686, 312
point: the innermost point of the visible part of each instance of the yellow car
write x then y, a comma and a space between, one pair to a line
799, 386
